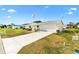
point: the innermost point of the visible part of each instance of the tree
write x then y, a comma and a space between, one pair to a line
71, 25
77, 23
4, 26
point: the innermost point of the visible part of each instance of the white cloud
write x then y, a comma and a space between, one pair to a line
74, 9
70, 13
11, 10
8, 16
46, 6
3, 9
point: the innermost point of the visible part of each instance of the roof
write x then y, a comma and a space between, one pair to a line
47, 22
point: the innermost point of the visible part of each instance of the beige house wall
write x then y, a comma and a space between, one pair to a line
51, 26
48, 26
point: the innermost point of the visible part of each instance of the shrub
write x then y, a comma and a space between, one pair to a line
58, 31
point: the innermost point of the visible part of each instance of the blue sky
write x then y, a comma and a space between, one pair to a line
20, 14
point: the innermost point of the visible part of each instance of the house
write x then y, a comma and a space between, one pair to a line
9, 26
25, 26
14, 26
47, 26
77, 25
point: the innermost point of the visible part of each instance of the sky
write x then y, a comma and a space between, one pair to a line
21, 14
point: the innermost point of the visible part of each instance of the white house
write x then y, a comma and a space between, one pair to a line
47, 26
78, 26
25, 26
16, 26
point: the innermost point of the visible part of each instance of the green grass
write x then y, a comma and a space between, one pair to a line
13, 32
72, 44
53, 44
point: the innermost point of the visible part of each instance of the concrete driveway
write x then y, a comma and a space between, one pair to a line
14, 44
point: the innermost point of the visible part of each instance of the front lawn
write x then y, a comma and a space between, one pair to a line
47, 45
54, 44
13, 32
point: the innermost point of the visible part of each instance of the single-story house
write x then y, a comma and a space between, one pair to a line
16, 26
13, 26
47, 26
78, 26
25, 26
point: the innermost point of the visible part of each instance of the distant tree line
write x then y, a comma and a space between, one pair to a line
3, 26
72, 25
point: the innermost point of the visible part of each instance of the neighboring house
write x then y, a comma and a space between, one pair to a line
9, 26
25, 26
16, 26
78, 26
47, 26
